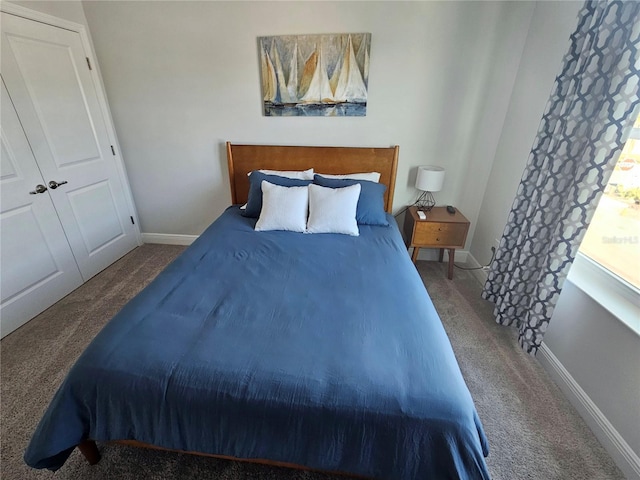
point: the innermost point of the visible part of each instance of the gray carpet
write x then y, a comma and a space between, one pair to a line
533, 431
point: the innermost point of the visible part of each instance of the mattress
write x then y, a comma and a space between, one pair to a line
321, 350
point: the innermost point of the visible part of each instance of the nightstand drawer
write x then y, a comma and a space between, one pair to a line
431, 233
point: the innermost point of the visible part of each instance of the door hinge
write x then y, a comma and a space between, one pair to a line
132, 222
89, 63
113, 151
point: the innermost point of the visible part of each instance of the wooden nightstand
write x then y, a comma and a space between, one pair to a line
439, 230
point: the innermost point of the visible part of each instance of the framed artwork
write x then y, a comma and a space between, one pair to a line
315, 75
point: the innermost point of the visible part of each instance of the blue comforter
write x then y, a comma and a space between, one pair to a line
321, 350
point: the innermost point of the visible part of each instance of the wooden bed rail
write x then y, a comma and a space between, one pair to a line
89, 449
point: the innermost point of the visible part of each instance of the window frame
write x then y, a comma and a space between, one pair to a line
612, 292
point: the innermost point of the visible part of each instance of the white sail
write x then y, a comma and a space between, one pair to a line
366, 67
281, 83
292, 85
350, 87
269, 81
302, 72
333, 81
319, 90
362, 57
307, 73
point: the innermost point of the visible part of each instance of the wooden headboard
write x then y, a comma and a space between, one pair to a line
243, 159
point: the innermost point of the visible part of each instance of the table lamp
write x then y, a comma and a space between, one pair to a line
429, 179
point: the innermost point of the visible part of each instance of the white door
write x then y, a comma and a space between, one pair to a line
48, 77
37, 267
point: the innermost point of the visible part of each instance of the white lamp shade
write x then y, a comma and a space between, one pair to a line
430, 178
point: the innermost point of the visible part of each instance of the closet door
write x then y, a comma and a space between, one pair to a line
38, 267
46, 71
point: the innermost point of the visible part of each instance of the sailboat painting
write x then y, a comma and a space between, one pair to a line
315, 75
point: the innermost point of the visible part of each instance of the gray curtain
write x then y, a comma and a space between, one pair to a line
585, 125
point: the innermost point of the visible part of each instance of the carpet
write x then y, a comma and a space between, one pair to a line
533, 431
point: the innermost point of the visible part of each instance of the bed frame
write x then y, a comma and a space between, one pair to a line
242, 159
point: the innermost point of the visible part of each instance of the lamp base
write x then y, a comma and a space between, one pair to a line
425, 202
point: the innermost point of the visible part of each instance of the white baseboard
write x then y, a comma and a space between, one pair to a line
462, 257
431, 254
622, 454
480, 275
168, 239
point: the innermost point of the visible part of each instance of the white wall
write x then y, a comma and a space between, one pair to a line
598, 354
183, 77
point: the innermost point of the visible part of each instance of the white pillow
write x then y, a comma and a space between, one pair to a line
333, 210
283, 208
369, 176
299, 175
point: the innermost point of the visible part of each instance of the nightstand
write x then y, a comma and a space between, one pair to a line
439, 230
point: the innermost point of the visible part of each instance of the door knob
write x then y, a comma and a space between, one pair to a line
53, 184
39, 189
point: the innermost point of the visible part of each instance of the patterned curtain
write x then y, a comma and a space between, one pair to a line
585, 125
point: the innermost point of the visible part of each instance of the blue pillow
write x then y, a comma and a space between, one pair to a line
370, 209
254, 199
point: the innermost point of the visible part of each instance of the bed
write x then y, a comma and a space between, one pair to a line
312, 351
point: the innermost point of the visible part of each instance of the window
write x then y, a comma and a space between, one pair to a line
608, 265
613, 238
